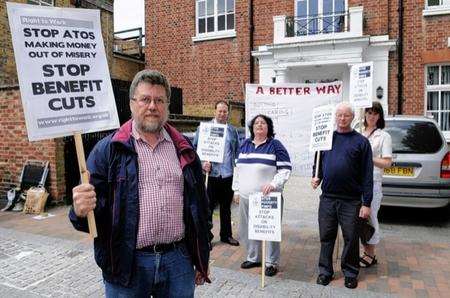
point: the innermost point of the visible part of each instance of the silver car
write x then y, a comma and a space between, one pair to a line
420, 174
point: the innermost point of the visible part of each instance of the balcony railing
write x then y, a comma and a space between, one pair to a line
338, 25
317, 24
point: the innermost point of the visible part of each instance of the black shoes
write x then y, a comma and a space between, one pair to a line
351, 282
248, 265
271, 270
230, 241
323, 279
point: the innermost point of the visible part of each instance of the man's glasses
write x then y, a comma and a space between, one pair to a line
146, 101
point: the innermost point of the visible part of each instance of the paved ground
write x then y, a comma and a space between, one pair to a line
48, 258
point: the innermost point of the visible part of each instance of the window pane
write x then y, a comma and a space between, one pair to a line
312, 13
339, 6
445, 100
445, 121
432, 101
201, 26
210, 24
433, 75
327, 7
201, 9
414, 136
230, 5
221, 22
230, 21
220, 6
210, 7
433, 2
445, 75
301, 8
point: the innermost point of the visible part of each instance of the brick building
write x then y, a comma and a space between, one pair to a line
15, 148
211, 48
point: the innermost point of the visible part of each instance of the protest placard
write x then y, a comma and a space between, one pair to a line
63, 75
361, 82
322, 128
264, 219
211, 141
62, 70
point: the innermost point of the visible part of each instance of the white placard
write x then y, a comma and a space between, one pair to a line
322, 128
62, 69
211, 141
361, 84
290, 106
264, 217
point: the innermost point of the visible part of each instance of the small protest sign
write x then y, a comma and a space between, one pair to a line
361, 84
264, 220
322, 128
62, 70
211, 141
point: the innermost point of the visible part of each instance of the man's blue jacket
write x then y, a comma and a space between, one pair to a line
113, 168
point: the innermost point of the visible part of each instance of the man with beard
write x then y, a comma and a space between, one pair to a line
147, 193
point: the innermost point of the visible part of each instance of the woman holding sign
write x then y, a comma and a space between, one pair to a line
381, 144
263, 166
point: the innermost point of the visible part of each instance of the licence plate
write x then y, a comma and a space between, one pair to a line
399, 171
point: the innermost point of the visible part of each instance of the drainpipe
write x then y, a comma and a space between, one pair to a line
250, 42
400, 59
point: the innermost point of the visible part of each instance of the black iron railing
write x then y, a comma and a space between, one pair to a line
317, 24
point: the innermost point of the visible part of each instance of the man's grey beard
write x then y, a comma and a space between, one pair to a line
152, 127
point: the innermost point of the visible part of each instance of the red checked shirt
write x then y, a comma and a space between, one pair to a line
160, 191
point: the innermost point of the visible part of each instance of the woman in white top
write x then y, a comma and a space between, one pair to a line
382, 158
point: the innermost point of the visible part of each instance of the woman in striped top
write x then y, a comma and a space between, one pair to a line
263, 166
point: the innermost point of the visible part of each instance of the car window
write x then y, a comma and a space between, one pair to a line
414, 136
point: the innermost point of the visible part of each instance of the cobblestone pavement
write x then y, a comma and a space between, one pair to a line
49, 259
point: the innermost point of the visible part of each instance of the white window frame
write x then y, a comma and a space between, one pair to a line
436, 88
442, 8
216, 34
42, 2
319, 12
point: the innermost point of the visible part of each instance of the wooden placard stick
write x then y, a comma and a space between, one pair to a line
84, 174
263, 270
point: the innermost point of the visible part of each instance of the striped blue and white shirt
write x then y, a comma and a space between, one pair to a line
259, 165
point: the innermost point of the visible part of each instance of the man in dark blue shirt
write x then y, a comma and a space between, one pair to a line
346, 174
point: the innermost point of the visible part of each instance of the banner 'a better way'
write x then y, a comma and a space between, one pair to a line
264, 216
211, 141
62, 69
291, 106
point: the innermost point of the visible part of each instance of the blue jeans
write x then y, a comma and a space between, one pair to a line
162, 275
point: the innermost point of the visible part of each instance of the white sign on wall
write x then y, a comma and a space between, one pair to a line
322, 128
62, 69
361, 84
211, 141
291, 106
264, 219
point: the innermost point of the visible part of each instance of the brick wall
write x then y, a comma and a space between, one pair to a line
123, 69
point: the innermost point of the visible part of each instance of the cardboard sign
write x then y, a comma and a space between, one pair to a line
264, 219
361, 84
211, 141
62, 69
291, 106
322, 128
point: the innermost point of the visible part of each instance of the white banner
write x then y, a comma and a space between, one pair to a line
62, 69
290, 106
211, 141
264, 217
361, 82
322, 128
